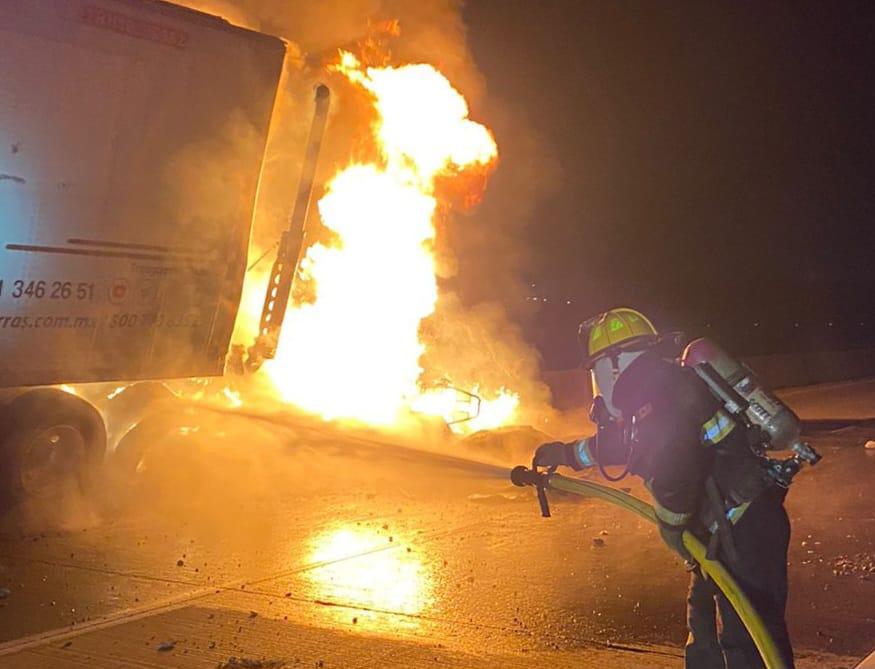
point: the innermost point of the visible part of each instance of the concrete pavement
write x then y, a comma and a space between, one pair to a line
261, 540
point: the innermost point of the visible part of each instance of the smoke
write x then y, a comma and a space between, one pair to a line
479, 347
473, 339
484, 263
430, 31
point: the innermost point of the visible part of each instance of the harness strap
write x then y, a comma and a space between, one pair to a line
722, 535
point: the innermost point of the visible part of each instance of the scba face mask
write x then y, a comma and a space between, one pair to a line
605, 372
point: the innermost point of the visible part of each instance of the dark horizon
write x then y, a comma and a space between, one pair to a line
715, 164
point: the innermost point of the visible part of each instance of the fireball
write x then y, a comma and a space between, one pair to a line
354, 351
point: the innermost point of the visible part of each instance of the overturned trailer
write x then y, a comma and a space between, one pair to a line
123, 237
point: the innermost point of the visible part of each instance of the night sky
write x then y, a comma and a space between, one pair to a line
715, 164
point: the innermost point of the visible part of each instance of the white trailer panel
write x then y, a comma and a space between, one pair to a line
132, 134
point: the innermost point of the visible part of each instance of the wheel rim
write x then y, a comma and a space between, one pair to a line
51, 460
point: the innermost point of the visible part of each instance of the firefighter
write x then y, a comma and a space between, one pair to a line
658, 419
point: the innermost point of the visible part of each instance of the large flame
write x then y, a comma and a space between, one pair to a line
354, 351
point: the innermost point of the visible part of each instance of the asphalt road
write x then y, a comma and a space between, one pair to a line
249, 540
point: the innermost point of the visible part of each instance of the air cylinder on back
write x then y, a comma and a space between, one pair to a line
764, 409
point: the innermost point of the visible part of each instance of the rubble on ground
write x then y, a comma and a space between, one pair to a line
248, 663
861, 565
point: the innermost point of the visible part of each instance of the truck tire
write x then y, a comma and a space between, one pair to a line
161, 425
51, 442
126, 408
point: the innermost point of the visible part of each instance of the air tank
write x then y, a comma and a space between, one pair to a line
757, 404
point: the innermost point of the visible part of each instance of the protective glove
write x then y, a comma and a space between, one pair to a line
554, 454
672, 535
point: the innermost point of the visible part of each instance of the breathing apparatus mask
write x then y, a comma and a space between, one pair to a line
604, 413
604, 373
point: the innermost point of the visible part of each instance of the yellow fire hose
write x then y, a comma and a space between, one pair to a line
713, 569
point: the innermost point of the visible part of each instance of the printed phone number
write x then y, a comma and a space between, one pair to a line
153, 320
116, 321
49, 290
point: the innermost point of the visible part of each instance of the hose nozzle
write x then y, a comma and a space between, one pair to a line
523, 476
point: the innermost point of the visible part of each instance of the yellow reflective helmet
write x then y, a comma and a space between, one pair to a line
616, 330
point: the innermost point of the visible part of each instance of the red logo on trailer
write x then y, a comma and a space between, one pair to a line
133, 27
118, 292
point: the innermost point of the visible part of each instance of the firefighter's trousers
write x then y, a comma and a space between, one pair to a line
718, 639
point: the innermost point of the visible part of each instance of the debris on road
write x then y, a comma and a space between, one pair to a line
861, 565
247, 663
4, 593
166, 646
870, 445
598, 542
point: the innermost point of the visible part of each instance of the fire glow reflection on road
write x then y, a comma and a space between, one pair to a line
364, 569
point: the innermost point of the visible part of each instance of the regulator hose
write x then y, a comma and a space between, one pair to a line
712, 568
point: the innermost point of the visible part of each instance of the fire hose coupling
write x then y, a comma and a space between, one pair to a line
523, 476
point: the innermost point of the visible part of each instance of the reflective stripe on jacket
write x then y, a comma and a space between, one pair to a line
717, 428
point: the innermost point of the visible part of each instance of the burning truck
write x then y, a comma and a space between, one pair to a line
114, 267
106, 271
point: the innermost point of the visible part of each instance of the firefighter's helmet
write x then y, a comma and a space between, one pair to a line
614, 331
